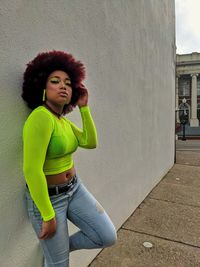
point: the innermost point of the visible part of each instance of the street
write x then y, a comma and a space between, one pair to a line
188, 145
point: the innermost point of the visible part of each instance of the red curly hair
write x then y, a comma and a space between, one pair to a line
39, 69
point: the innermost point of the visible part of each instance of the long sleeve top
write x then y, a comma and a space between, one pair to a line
48, 144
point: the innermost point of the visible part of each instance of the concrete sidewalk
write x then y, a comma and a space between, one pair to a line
169, 218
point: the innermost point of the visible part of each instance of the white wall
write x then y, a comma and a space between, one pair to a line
128, 47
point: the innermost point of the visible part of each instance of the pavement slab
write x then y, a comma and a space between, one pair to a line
130, 252
184, 175
188, 158
168, 220
181, 194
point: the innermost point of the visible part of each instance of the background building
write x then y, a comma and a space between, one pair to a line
188, 87
126, 46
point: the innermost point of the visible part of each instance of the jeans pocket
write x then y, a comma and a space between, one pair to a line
33, 211
29, 203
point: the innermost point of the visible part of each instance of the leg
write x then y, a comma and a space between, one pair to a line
55, 249
96, 228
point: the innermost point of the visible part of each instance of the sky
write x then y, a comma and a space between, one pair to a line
187, 26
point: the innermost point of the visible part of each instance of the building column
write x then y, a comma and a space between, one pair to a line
177, 98
194, 122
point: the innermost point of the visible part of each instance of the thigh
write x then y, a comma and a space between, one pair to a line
89, 216
56, 248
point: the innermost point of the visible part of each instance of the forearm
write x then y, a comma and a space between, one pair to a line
89, 134
37, 185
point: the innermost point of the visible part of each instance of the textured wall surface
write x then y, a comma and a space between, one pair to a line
128, 48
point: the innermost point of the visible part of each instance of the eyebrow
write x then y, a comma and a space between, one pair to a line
60, 78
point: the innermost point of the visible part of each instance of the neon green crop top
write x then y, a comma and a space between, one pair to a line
48, 144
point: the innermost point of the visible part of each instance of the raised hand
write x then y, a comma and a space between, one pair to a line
83, 100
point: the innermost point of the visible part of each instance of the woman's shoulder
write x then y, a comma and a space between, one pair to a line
39, 115
67, 120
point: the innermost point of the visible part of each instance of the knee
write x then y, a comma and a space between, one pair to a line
110, 239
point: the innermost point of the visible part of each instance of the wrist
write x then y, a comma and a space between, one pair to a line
82, 106
50, 220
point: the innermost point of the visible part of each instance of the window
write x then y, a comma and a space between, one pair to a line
198, 87
184, 87
198, 111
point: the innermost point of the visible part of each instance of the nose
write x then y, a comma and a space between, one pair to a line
63, 85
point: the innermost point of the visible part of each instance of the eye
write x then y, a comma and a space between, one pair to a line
68, 83
54, 80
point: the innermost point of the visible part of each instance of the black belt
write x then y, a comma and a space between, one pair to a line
61, 189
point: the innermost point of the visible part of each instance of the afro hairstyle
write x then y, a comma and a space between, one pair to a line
39, 69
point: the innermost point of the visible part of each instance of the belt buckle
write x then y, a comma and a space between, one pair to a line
57, 191
71, 182
69, 185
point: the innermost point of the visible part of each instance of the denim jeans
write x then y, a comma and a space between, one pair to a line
80, 207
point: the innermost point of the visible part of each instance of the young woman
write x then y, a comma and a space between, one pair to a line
52, 87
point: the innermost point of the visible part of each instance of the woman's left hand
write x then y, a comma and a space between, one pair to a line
83, 100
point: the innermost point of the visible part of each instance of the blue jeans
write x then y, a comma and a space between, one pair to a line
82, 209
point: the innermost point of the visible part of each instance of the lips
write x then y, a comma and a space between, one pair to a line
63, 94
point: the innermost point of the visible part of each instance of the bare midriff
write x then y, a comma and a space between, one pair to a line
61, 178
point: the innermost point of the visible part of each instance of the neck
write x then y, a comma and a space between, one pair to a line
55, 110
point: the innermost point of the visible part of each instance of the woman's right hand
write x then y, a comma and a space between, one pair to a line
83, 99
48, 229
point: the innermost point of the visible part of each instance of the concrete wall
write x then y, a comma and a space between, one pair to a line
128, 47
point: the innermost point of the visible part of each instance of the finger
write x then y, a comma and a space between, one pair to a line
45, 236
82, 86
83, 89
42, 234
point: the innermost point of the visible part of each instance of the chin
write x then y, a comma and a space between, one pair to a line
64, 102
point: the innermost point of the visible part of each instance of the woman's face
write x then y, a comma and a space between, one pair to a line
59, 88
